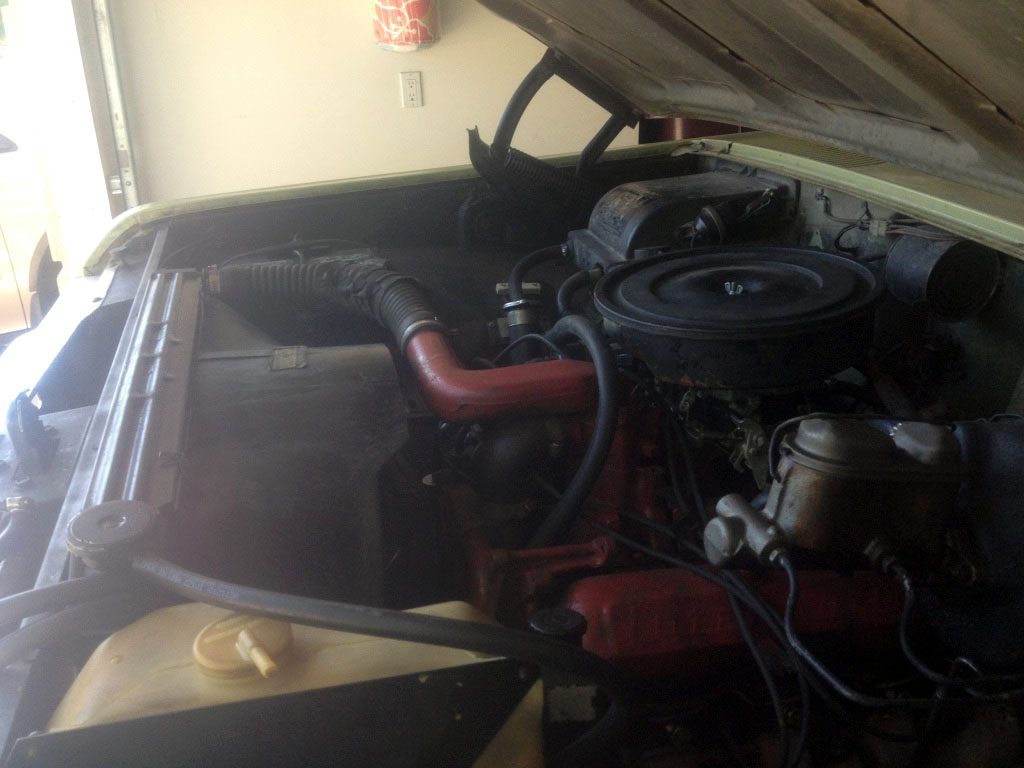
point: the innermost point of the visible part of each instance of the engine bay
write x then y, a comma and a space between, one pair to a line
746, 446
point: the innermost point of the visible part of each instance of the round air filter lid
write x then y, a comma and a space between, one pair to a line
736, 293
742, 318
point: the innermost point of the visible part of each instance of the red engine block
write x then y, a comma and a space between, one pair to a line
655, 622
670, 622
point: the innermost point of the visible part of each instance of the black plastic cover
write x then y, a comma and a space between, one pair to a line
643, 214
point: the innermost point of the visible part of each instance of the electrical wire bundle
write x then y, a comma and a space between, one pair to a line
739, 593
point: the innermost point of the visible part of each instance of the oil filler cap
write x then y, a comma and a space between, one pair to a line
240, 645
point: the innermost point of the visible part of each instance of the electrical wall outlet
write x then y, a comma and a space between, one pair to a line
412, 89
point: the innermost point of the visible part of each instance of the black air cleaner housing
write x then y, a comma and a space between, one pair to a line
657, 213
738, 318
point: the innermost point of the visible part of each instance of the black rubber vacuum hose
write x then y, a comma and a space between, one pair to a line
522, 319
61, 595
417, 628
559, 520
55, 627
567, 290
525, 264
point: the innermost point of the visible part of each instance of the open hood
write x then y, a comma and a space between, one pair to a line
936, 85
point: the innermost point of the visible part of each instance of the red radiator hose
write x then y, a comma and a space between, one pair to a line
398, 304
458, 394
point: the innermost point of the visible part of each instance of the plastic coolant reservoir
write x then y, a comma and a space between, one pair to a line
196, 655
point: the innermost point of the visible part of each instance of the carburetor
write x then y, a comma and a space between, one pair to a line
845, 488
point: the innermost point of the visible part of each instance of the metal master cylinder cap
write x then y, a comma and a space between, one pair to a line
848, 486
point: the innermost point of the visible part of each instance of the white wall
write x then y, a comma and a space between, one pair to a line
50, 101
237, 94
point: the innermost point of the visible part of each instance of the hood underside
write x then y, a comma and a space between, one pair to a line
936, 85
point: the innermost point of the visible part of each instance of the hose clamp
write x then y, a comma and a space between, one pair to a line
420, 325
519, 304
518, 317
520, 312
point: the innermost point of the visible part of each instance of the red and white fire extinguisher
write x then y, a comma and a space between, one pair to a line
406, 25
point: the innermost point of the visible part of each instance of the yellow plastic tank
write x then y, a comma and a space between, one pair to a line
196, 655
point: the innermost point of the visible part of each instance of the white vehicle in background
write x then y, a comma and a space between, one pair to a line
25, 265
27, 274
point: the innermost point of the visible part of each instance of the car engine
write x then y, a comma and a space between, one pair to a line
732, 453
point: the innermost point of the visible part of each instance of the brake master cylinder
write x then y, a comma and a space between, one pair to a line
845, 488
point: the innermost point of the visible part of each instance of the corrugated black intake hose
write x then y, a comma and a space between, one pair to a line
545, 192
561, 518
527, 170
360, 285
593, 749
